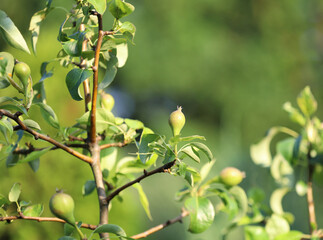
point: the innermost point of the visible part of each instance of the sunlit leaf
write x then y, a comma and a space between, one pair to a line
35, 22
48, 114
206, 168
111, 228
291, 235
14, 192
99, 5
31, 124
74, 79
143, 199
294, 114
120, 9
144, 149
255, 233
33, 210
286, 148
276, 199
73, 46
307, 102
201, 214
282, 171
203, 148
242, 201
188, 151
122, 54
11, 34
276, 225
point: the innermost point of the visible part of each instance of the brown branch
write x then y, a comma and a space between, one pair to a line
94, 145
37, 135
30, 149
309, 195
117, 144
43, 219
95, 80
146, 174
159, 227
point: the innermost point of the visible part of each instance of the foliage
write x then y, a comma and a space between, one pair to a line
86, 47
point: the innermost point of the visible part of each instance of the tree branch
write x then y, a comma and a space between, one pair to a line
162, 226
95, 80
30, 149
117, 144
37, 135
43, 219
146, 174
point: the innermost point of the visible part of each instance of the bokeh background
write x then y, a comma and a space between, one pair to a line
230, 64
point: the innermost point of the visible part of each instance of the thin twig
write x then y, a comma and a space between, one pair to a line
26, 151
117, 144
37, 135
43, 219
161, 226
146, 174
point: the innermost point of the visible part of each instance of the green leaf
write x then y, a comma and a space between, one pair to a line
13, 107
33, 210
48, 114
34, 164
15, 192
205, 170
68, 229
34, 155
202, 147
11, 34
294, 114
291, 235
135, 124
122, 54
99, 5
144, 150
307, 102
88, 187
31, 124
5, 126
143, 199
108, 158
276, 225
282, 171
201, 214
6, 67
255, 233
103, 119
286, 148
110, 72
66, 238
260, 152
111, 228
188, 151
120, 9
242, 202
128, 30
256, 195
73, 46
35, 22
74, 79
276, 199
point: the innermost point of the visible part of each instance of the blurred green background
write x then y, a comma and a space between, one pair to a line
230, 64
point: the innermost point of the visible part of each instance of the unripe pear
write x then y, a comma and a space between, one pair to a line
22, 71
231, 176
107, 101
176, 121
62, 206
